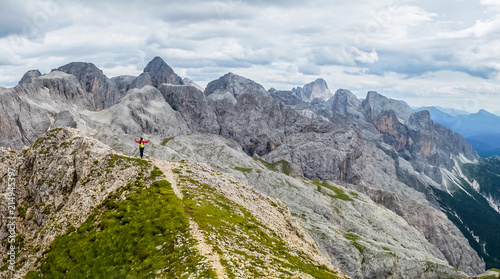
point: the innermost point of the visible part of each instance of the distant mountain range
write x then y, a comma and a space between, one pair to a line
481, 129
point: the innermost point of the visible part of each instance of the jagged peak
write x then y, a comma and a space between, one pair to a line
29, 76
158, 65
236, 85
378, 103
312, 90
320, 81
156, 73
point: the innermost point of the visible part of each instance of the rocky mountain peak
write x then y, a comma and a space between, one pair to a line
234, 85
155, 74
94, 81
315, 89
420, 121
345, 102
375, 104
160, 72
29, 76
81, 70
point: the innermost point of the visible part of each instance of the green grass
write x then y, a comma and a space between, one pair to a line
156, 172
116, 159
280, 166
131, 238
339, 193
243, 169
490, 276
22, 211
165, 141
354, 241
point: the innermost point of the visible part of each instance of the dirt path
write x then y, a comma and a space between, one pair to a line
204, 248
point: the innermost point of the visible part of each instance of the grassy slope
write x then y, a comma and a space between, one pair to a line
145, 235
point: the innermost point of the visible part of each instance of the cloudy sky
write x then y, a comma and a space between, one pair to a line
425, 52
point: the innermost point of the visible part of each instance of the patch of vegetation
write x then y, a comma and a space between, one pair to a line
489, 276
339, 193
354, 241
21, 210
232, 223
165, 141
155, 173
144, 236
32, 275
280, 166
5, 266
116, 159
385, 248
46, 210
245, 170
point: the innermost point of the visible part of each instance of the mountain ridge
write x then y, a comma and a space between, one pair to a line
375, 148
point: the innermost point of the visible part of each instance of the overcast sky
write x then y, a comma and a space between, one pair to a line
425, 52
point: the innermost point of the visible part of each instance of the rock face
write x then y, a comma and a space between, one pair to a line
141, 111
375, 104
103, 90
192, 105
123, 82
231, 85
29, 76
315, 89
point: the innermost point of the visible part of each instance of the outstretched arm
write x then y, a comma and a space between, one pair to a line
145, 141
137, 141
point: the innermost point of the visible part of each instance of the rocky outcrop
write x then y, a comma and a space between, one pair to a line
141, 111
103, 91
346, 103
375, 104
123, 82
231, 87
189, 82
29, 76
59, 181
192, 105
313, 90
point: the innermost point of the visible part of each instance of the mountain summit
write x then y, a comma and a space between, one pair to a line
315, 89
155, 74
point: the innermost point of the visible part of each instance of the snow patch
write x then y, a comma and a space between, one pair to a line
455, 179
465, 160
476, 186
493, 203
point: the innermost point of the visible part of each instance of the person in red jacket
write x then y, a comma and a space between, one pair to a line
141, 145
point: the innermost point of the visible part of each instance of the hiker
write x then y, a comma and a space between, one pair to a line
141, 145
